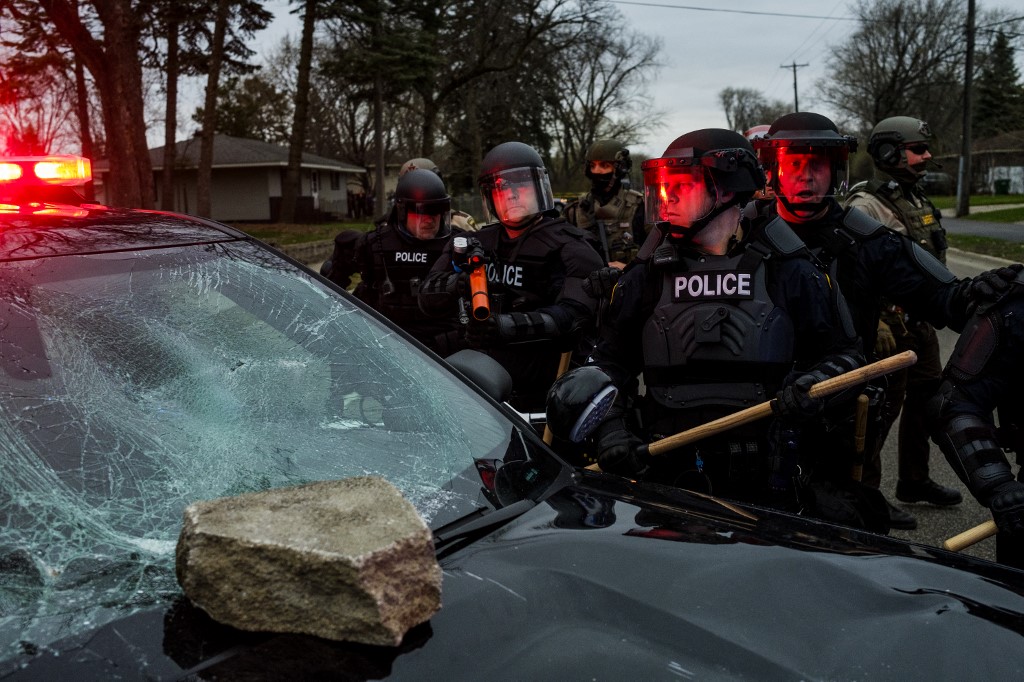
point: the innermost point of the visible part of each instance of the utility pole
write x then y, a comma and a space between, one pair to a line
794, 66
963, 185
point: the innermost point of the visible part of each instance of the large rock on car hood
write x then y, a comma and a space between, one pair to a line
345, 560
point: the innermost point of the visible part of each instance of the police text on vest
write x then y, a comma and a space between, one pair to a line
712, 285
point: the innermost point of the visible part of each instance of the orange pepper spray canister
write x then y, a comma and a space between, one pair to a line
480, 302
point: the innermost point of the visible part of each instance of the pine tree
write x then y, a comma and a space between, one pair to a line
999, 94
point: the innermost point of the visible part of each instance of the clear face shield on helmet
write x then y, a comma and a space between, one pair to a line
513, 196
688, 190
429, 219
807, 174
677, 194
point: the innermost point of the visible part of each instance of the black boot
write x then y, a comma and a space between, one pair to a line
900, 519
927, 491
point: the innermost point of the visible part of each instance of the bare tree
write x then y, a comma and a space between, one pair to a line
905, 58
37, 96
746, 108
291, 187
233, 20
107, 41
210, 109
603, 77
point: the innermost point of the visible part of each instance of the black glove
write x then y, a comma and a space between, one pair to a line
1007, 504
493, 331
991, 284
795, 402
450, 283
617, 450
599, 283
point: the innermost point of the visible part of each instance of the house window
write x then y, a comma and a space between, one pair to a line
314, 182
335, 181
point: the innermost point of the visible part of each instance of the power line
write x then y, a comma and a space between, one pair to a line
731, 11
997, 23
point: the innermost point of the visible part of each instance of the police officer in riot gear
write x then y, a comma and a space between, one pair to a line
460, 220
716, 322
612, 211
806, 158
536, 265
899, 147
393, 258
984, 374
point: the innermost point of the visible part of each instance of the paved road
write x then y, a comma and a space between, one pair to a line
1011, 232
935, 524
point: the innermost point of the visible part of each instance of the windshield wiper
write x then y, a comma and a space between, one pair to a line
480, 520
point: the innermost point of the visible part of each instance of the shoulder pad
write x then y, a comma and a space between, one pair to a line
778, 235
632, 197
553, 232
860, 224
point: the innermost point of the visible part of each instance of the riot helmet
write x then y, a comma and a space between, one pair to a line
891, 138
422, 205
753, 134
611, 154
758, 132
419, 163
686, 186
806, 159
515, 185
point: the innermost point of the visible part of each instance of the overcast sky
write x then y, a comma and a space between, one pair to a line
733, 43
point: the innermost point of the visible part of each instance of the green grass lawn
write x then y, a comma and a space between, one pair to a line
987, 245
1006, 215
980, 200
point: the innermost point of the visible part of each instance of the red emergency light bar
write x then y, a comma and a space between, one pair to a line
65, 171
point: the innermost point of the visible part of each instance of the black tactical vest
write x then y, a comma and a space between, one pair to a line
520, 273
715, 337
399, 263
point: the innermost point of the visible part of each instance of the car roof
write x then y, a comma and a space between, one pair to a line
57, 230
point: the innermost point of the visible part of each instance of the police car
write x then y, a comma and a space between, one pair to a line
150, 360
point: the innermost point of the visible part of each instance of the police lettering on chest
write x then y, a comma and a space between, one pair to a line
693, 286
503, 273
411, 257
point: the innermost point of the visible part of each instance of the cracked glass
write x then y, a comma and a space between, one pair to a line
135, 383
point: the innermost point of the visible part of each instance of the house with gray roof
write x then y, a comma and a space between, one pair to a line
247, 176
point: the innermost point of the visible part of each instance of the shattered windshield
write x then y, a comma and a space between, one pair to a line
133, 384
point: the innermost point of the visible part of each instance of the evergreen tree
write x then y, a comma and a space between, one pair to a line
999, 94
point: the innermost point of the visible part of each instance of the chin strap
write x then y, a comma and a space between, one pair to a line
693, 230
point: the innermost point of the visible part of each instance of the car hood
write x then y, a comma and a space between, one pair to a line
634, 592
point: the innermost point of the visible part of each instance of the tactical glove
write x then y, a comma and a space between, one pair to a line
1007, 504
795, 402
599, 283
617, 450
991, 284
490, 332
885, 342
448, 283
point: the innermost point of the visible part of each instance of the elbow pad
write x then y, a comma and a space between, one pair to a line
533, 326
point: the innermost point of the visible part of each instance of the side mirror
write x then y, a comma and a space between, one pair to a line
578, 401
484, 371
